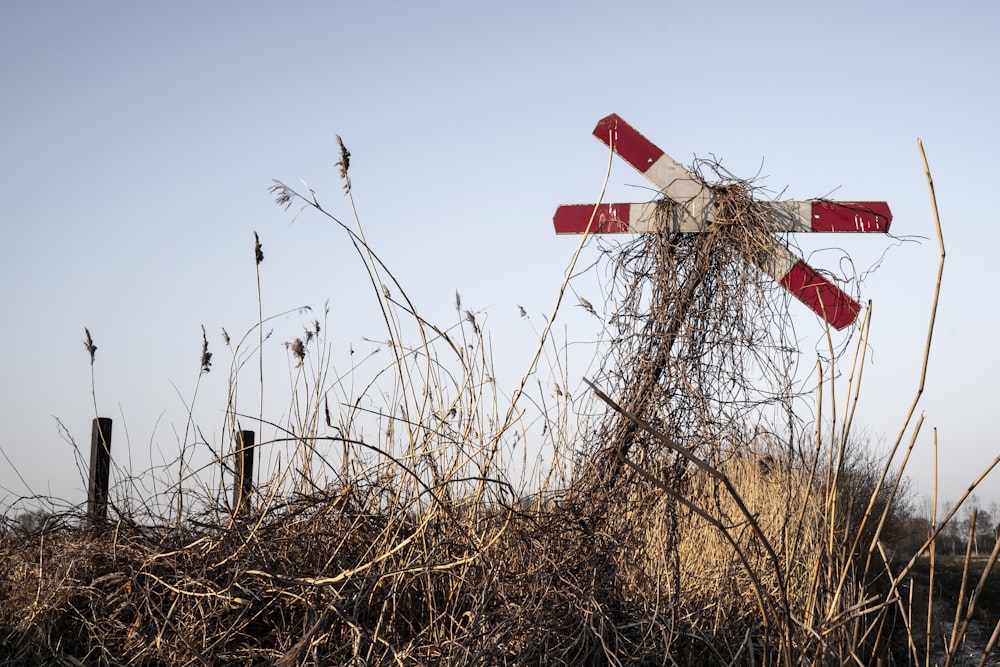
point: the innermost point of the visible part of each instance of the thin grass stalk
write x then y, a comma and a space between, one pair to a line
892, 493
860, 351
893, 598
953, 642
88, 344
975, 593
833, 474
184, 443
258, 258
850, 389
885, 510
812, 598
990, 645
926, 356
876, 542
559, 298
927, 346
842, 445
933, 560
907, 615
231, 424
383, 295
413, 401
934, 305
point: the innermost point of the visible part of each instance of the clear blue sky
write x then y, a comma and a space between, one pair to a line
138, 141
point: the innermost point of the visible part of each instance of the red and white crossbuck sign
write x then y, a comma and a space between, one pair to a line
694, 211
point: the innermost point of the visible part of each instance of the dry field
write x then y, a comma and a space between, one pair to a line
685, 516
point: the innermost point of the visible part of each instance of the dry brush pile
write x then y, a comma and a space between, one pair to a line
694, 520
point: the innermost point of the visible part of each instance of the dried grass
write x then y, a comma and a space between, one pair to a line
677, 529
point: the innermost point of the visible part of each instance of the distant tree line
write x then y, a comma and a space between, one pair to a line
954, 538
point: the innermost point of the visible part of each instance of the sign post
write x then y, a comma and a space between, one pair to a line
694, 211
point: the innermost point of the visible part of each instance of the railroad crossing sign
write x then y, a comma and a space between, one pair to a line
694, 211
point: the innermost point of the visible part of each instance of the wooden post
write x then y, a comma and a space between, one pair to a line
100, 470
244, 469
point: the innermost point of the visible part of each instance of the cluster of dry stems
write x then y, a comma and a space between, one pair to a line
695, 521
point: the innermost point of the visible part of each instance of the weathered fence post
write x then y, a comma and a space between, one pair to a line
244, 469
100, 470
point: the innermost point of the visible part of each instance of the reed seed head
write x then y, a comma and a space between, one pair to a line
283, 194
298, 351
472, 320
587, 306
88, 343
206, 356
258, 251
344, 164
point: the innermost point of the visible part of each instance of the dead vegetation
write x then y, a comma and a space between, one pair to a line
695, 520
